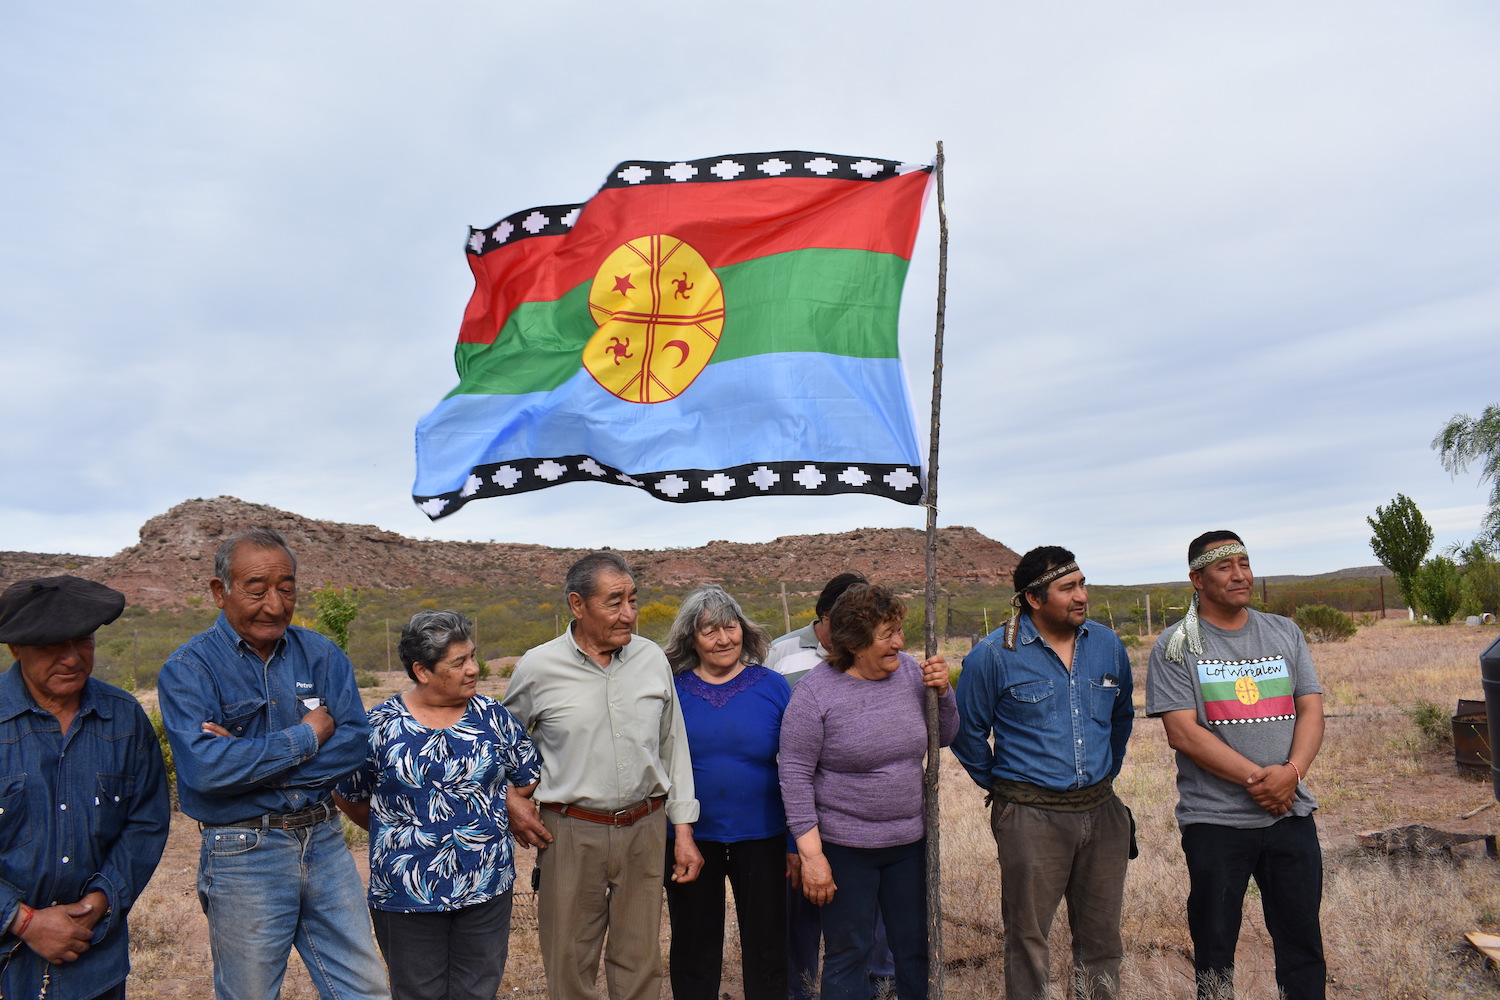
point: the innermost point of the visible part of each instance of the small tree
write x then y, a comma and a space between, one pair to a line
1479, 590
1437, 588
1401, 540
337, 607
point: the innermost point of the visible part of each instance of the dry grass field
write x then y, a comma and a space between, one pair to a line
1393, 926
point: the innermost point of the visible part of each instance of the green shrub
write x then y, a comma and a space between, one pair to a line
1131, 641
166, 752
1435, 724
1480, 589
336, 608
1437, 589
1320, 623
367, 679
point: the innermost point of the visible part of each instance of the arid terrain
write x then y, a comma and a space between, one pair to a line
1394, 926
174, 558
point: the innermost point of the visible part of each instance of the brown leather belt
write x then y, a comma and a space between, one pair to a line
311, 816
624, 817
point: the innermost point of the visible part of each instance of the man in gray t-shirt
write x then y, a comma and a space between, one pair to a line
1240, 701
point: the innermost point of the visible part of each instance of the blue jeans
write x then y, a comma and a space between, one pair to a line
893, 882
1287, 865
267, 890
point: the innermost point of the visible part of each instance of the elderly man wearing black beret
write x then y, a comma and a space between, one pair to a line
83, 797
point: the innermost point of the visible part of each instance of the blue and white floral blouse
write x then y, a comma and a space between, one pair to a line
439, 832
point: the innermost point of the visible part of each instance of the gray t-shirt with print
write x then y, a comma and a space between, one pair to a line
1243, 689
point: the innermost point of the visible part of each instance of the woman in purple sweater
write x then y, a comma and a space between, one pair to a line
852, 743
731, 708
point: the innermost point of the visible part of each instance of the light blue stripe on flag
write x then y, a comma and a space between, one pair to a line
784, 407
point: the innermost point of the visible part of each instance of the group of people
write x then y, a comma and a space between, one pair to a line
792, 770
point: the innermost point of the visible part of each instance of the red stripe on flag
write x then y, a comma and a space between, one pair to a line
1233, 710
727, 223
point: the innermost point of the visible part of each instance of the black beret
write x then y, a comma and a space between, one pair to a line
55, 609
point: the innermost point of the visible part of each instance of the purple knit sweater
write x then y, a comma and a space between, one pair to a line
851, 755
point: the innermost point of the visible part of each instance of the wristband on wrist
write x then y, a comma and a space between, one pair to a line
1295, 768
24, 914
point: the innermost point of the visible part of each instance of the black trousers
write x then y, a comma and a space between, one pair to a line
1287, 864
448, 954
756, 869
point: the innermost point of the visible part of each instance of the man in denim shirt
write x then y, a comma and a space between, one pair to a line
264, 719
83, 797
1055, 690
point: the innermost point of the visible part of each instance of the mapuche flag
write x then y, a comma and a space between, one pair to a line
1243, 691
702, 330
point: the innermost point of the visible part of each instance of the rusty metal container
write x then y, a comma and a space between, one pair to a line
1471, 735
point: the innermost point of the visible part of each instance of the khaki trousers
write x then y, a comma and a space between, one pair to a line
1046, 857
601, 891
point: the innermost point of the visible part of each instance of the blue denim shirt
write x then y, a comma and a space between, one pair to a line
78, 812
1060, 729
273, 764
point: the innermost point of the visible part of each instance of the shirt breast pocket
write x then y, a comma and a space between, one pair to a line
240, 718
1103, 698
15, 832
113, 795
1029, 704
647, 709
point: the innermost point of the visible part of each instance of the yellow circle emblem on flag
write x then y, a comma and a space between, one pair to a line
660, 310
1247, 691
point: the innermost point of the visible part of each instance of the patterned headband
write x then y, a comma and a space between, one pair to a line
1190, 632
1055, 573
1214, 555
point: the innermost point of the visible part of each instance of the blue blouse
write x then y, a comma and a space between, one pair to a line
439, 831
734, 732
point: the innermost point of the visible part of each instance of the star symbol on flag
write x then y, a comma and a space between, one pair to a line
764, 478
672, 485
622, 283
809, 478
901, 479
718, 484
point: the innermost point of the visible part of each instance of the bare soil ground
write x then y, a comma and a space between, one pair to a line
1393, 927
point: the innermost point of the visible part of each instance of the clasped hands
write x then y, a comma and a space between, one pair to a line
63, 932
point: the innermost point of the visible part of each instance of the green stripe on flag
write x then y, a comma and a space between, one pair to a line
1272, 687
826, 301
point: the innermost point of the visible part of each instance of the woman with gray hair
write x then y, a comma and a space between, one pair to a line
731, 707
432, 795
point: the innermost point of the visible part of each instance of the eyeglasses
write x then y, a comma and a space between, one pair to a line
897, 632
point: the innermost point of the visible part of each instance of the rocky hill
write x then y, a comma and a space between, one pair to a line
174, 558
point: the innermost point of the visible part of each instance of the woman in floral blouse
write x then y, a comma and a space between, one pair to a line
432, 795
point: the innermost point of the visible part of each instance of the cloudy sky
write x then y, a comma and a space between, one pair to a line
1211, 265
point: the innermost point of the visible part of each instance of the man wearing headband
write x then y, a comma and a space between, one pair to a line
1054, 689
83, 800
1240, 700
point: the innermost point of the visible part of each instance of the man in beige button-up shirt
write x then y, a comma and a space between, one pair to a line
602, 710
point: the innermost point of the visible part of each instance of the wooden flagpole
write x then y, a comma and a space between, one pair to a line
934, 864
